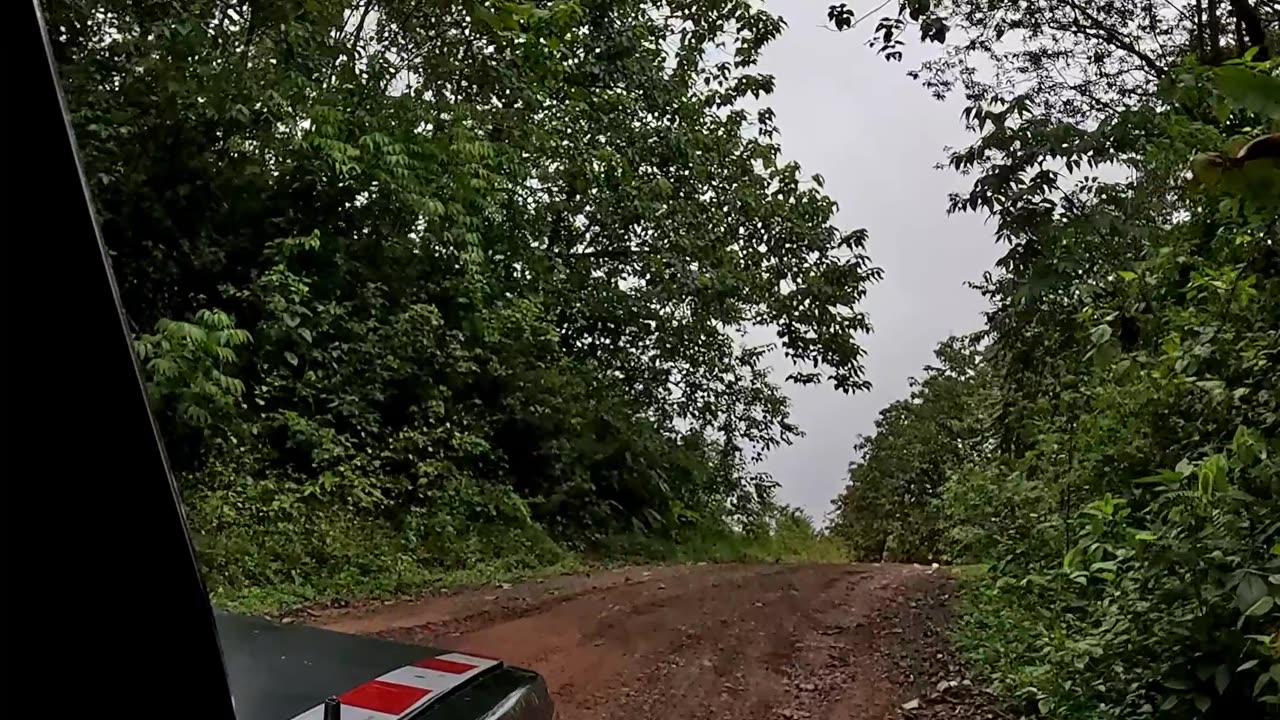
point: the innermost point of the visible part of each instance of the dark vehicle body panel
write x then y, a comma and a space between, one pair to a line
278, 671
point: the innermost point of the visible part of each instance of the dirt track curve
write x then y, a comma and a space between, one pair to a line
753, 642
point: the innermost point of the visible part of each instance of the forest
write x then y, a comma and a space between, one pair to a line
1103, 457
436, 291
428, 292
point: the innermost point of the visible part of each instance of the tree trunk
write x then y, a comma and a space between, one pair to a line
1200, 49
1214, 19
1256, 33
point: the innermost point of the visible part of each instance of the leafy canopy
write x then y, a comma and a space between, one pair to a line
401, 270
1106, 449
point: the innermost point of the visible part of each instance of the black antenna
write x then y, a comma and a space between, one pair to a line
98, 559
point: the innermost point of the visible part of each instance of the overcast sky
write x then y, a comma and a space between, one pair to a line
875, 136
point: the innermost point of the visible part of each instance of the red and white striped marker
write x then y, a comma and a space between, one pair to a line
397, 693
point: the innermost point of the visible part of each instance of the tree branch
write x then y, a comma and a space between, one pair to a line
1116, 39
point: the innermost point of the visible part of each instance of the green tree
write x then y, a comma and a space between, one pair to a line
496, 259
1125, 503
890, 507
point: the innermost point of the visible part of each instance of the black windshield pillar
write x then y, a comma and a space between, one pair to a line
105, 603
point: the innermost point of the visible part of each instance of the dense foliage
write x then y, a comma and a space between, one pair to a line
888, 509
1107, 449
419, 285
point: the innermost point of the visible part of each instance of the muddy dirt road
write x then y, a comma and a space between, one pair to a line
745, 642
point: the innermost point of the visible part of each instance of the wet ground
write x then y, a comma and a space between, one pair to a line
714, 641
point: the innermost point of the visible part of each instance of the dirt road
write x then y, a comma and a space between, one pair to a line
742, 642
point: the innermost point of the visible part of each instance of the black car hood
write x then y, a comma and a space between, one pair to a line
279, 672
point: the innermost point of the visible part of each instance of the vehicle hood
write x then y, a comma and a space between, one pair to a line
285, 672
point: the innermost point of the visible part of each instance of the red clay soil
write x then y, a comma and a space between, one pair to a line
794, 642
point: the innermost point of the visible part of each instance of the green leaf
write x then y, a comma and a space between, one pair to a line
1249, 89
1213, 475
290, 357
1261, 607
1222, 678
1246, 665
1221, 107
1248, 445
1250, 592
1212, 386
1105, 354
1202, 702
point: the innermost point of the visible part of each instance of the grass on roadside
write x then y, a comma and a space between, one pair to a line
267, 570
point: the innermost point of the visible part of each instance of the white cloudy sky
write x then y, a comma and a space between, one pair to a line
875, 136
